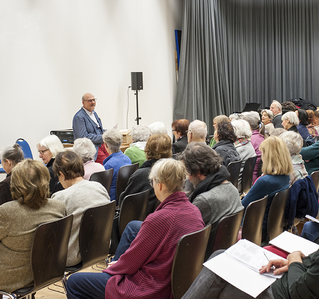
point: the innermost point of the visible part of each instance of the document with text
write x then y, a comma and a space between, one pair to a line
239, 265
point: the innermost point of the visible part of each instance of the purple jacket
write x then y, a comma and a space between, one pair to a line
256, 140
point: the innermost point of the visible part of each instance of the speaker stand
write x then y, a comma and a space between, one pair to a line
137, 119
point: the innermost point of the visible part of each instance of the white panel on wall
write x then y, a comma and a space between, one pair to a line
54, 51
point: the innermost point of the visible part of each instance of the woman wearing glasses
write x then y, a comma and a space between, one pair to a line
48, 148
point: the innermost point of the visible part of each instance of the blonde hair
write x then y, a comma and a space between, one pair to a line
30, 183
170, 172
276, 157
158, 146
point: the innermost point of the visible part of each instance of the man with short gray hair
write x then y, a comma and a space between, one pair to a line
197, 131
276, 109
116, 159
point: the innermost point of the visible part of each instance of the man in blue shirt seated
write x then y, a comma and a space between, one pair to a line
116, 159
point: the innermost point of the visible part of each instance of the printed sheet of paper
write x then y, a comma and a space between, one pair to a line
290, 243
239, 265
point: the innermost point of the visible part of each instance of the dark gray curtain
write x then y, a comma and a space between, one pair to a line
239, 51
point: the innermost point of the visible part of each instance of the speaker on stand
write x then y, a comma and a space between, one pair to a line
137, 85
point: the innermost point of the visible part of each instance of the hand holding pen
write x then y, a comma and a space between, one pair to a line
277, 266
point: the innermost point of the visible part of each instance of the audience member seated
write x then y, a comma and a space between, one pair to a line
217, 120
277, 167
299, 280
79, 195
277, 132
276, 109
243, 144
225, 137
257, 137
214, 195
266, 118
290, 121
303, 123
146, 250
116, 159
86, 150
197, 131
136, 152
294, 143
158, 146
312, 123
19, 219
48, 148
179, 128
157, 127
310, 231
10, 158
288, 106
310, 155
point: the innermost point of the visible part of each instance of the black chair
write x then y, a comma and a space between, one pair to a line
247, 176
94, 236
276, 215
133, 208
123, 176
253, 221
315, 178
48, 255
103, 177
188, 260
225, 234
234, 169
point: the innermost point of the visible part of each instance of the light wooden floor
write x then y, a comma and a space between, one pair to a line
49, 294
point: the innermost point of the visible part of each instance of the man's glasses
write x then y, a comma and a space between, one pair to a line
91, 101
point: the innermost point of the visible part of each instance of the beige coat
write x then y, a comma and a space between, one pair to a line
17, 224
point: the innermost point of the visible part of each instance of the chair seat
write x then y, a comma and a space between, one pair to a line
23, 291
75, 268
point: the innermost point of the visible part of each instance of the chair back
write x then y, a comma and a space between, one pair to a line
49, 252
188, 260
123, 176
25, 148
315, 179
225, 234
95, 233
276, 216
253, 221
234, 169
247, 176
133, 208
104, 177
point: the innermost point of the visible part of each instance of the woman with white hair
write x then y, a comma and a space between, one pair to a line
157, 127
294, 143
86, 150
266, 118
290, 121
48, 148
242, 144
136, 152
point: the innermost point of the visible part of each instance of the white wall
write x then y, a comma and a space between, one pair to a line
54, 51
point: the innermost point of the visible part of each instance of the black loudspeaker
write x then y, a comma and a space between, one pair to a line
137, 80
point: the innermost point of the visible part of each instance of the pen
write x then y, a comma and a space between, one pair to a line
272, 267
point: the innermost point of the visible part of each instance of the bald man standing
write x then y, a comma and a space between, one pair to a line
86, 123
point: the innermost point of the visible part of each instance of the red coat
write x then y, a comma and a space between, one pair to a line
144, 270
